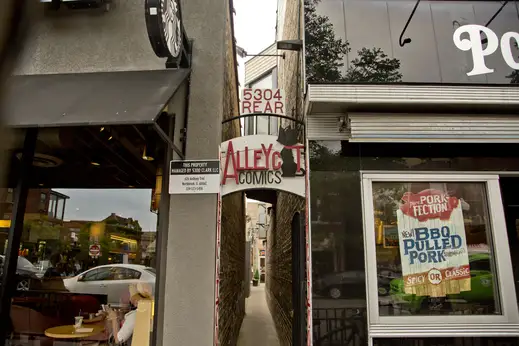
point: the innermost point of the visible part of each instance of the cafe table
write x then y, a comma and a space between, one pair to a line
69, 332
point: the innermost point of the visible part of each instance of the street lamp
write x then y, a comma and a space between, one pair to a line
290, 45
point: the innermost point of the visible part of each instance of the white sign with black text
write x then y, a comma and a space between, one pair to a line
270, 101
194, 177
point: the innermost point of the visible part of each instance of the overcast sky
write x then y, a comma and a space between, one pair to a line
255, 27
255, 30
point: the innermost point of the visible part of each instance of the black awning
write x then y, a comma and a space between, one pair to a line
115, 98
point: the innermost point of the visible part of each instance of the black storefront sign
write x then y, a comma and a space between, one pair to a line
165, 30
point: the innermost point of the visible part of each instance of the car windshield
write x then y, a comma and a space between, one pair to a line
24, 263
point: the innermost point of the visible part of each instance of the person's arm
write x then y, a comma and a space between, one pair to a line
126, 331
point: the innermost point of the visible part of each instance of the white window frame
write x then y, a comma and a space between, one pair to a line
503, 325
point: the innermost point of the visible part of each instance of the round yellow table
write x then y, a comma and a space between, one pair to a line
69, 332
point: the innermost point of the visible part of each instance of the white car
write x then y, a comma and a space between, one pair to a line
112, 280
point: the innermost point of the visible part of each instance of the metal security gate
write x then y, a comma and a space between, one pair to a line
369, 127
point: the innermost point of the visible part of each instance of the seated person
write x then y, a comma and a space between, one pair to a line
124, 334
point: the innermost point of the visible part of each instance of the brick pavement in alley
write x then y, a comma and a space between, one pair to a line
258, 327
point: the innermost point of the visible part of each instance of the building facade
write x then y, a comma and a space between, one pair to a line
406, 102
261, 73
117, 98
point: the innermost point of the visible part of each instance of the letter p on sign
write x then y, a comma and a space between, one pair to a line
474, 44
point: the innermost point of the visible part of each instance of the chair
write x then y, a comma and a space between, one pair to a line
29, 326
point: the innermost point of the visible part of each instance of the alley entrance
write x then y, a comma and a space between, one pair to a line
273, 298
258, 326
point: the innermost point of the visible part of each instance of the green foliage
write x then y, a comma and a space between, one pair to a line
42, 230
325, 54
514, 77
256, 275
373, 65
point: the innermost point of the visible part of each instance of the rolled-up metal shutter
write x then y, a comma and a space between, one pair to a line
325, 127
455, 128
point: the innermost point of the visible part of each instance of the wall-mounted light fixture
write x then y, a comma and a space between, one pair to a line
294, 45
341, 123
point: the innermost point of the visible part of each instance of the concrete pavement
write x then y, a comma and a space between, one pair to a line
258, 327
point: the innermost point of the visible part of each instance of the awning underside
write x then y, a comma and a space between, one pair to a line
116, 98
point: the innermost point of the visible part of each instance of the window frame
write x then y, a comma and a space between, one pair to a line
506, 324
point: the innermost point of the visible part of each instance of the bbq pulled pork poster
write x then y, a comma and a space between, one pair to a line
433, 247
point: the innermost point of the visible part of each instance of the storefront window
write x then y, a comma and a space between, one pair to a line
99, 256
433, 249
440, 253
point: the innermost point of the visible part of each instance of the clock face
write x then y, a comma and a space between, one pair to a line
171, 26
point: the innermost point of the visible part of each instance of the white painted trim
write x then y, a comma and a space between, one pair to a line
506, 324
355, 94
382, 173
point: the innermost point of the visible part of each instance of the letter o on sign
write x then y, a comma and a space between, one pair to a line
435, 276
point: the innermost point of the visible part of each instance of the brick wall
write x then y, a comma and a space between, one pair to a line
232, 251
290, 76
279, 263
279, 241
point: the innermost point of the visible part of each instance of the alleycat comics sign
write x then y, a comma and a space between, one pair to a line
433, 247
263, 162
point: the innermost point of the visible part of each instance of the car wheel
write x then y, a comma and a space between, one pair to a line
335, 292
22, 285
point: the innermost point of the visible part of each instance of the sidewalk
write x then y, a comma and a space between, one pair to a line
258, 327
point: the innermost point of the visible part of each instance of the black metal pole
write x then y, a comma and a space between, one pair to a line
15, 231
298, 281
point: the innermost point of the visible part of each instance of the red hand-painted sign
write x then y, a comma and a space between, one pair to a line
428, 204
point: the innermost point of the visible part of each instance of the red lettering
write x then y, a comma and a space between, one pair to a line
267, 153
298, 149
257, 157
276, 165
226, 175
256, 106
246, 159
268, 108
278, 106
246, 107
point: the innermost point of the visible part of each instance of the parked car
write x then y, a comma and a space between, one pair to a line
351, 283
481, 292
112, 280
26, 273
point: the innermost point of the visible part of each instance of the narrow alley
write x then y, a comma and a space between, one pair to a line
258, 327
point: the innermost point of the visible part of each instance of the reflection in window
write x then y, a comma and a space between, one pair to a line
81, 252
43, 200
60, 208
52, 206
433, 249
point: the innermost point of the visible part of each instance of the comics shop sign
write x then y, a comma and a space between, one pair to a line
262, 162
433, 247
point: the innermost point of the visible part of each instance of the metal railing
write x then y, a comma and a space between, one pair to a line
339, 326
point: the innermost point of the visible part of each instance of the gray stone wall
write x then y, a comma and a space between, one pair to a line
90, 40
